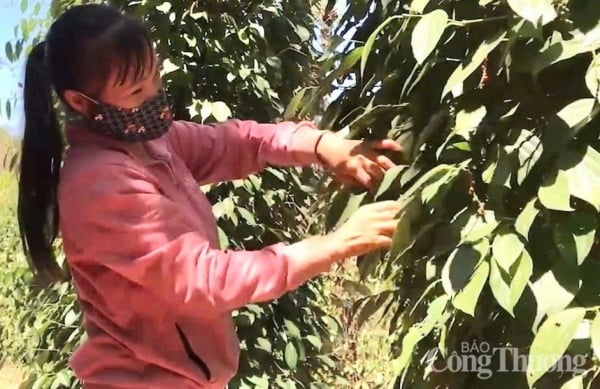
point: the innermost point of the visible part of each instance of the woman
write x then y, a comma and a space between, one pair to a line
139, 235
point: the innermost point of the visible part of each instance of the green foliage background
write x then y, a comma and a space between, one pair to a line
495, 103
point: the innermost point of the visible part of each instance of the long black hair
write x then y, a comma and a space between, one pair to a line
82, 48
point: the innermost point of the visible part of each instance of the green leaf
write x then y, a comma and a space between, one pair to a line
592, 77
418, 6
62, 379
291, 356
555, 193
478, 227
583, 172
555, 290
220, 111
9, 51
294, 105
465, 69
461, 265
392, 176
558, 50
438, 186
303, 33
23, 6
70, 318
468, 121
354, 203
264, 344
526, 218
371, 41
168, 66
223, 240
595, 335
575, 237
315, 341
528, 148
521, 275
401, 237
500, 287
466, 299
552, 340
350, 60
499, 169
435, 315
427, 34
164, 7
577, 112
507, 248
292, 329
574, 383
536, 11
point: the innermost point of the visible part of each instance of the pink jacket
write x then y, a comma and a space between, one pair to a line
155, 289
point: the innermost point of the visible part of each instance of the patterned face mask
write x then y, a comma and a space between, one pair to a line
149, 121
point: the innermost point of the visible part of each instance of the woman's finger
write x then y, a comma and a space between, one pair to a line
384, 162
363, 178
374, 170
384, 144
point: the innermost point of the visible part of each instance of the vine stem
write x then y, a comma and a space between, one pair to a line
462, 23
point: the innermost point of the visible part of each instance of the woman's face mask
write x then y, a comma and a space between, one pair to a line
149, 121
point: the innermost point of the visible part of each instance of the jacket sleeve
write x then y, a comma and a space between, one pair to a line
235, 149
145, 237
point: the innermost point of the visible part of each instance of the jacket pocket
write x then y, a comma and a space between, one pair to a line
191, 354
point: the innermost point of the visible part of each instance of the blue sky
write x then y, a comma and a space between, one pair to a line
11, 74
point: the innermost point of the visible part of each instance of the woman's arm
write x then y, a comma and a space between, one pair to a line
145, 237
235, 149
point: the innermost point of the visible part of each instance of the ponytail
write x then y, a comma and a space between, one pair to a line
41, 157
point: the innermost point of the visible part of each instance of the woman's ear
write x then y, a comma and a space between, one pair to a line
78, 102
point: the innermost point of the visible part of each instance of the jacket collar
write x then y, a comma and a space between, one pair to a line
78, 134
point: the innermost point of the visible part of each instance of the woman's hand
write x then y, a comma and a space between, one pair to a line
356, 162
370, 228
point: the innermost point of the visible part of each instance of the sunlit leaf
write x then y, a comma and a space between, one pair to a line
468, 121
551, 341
418, 6
291, 355
536, 11
427, 33
595, 335
555, 193
583, 172
507, 247
220, 111
592, 77
575, 237
500, 287
574, 383
164, 7
555, 290
526, 218
478, 226
466, 299
461, 264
